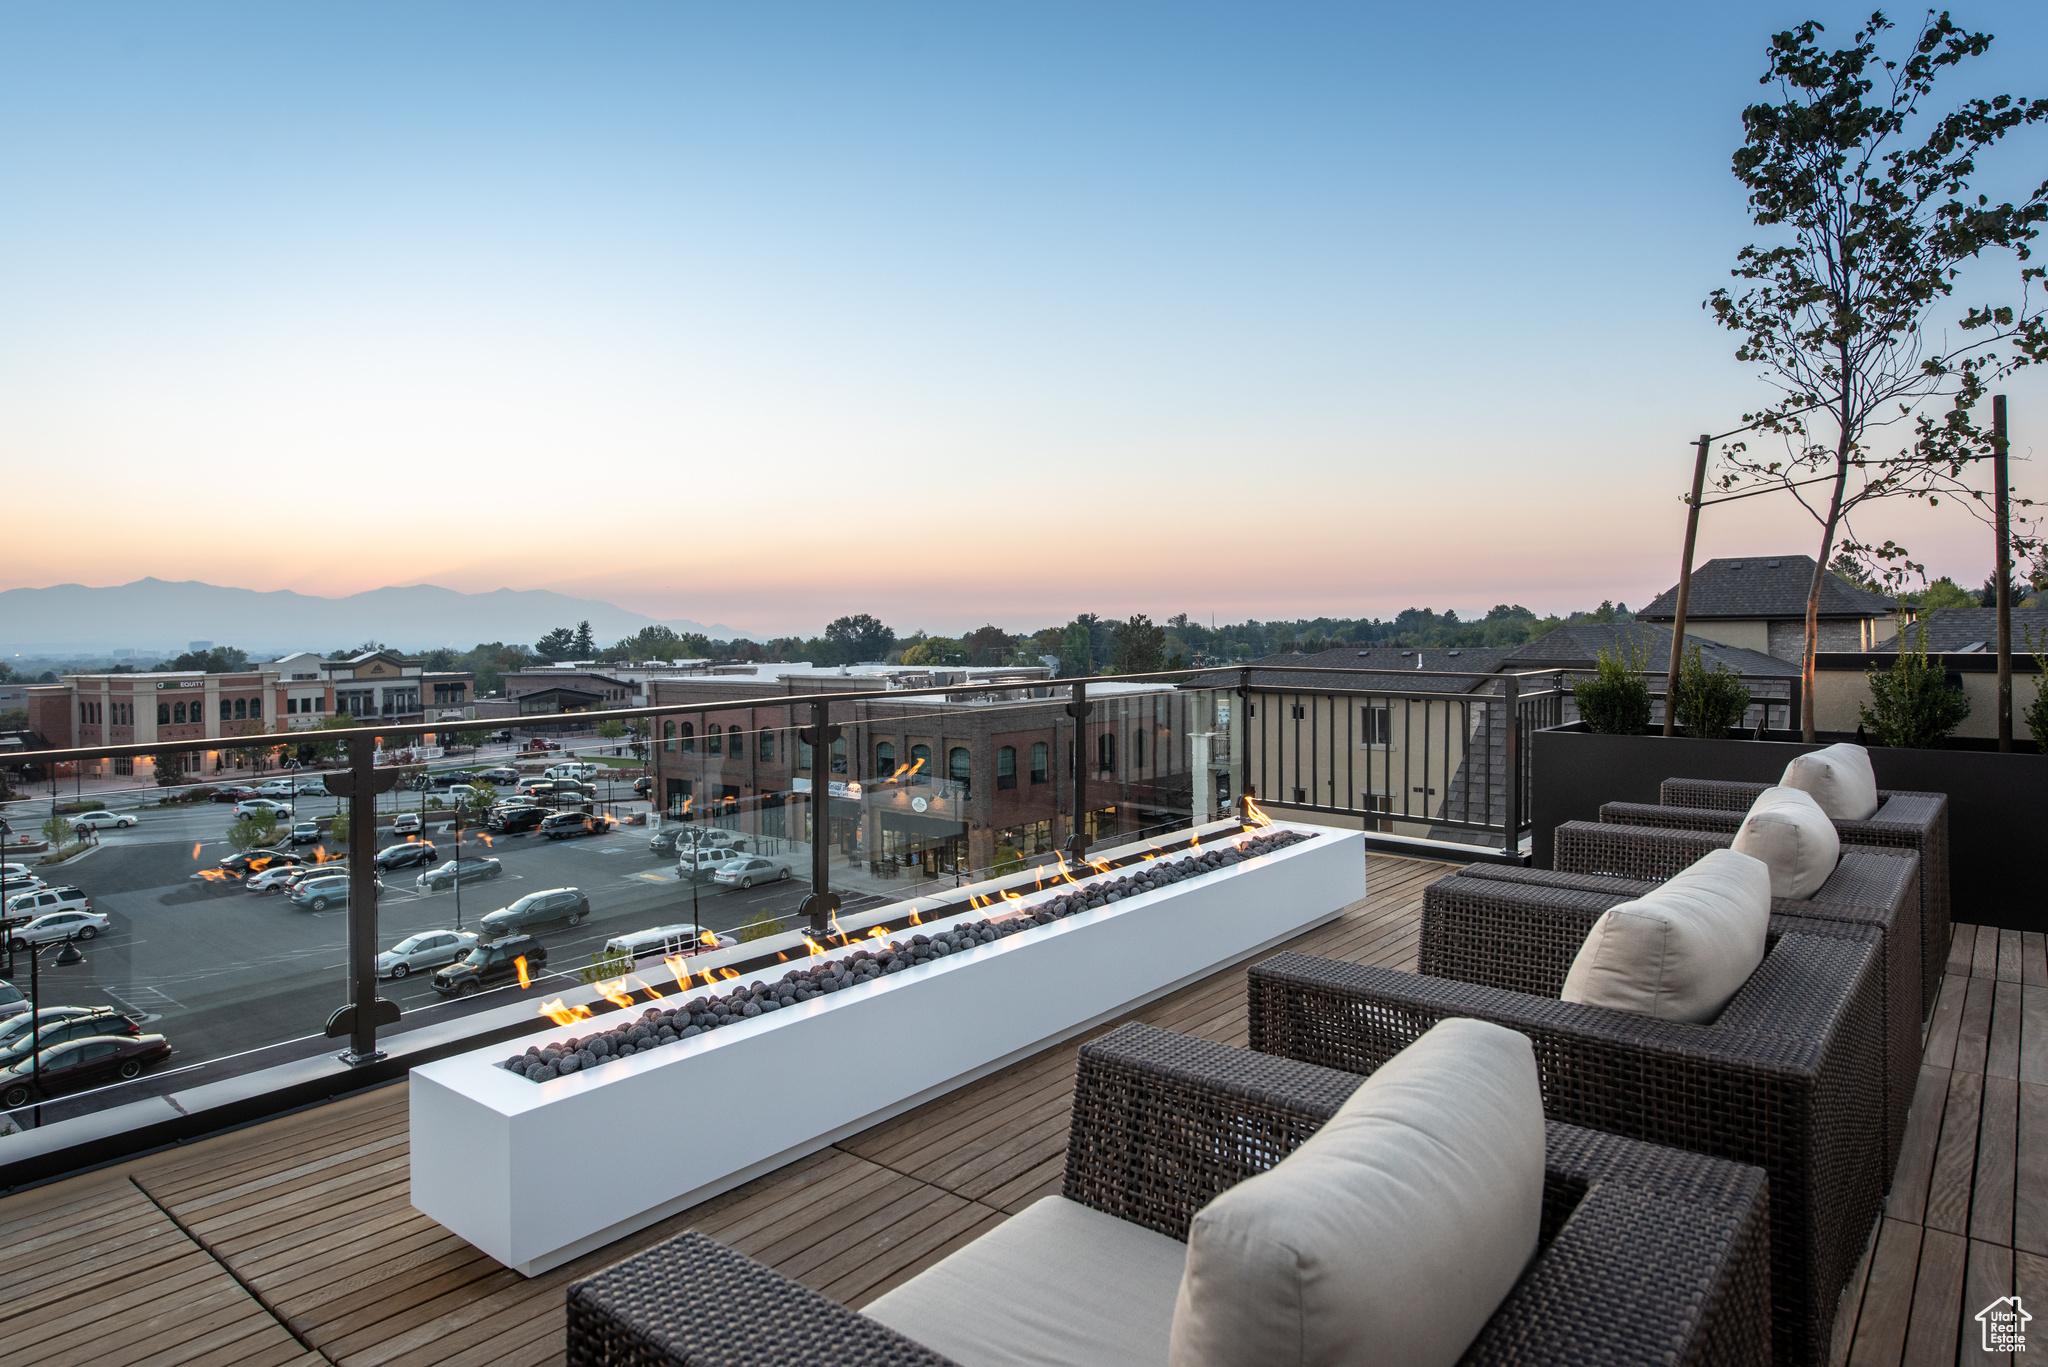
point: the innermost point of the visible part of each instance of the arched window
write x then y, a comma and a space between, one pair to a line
668, 736
1039, 756
714, 739
767, 747
803, 753
1006, 767
1138, 748
255, 707
163, 714
1105, 752
227, 710
689, 737
920, 764
735, 744
960, 766
885, 760
839, 755
241, 709
178, 712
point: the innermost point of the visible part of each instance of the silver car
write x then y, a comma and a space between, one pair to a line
430, 949
61, 925
748, 870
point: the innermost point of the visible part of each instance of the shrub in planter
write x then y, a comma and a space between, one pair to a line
1709, 702
1916, 708
2036, 715
1615, 701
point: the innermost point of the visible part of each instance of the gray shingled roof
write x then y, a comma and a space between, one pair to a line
1577, 645
1456, 659
1765, 587
1959, 629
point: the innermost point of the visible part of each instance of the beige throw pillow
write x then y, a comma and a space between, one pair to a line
1391, 1235
1682, 952
1796, 840
1839, 778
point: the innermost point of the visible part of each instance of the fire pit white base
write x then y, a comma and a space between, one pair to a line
535, 1174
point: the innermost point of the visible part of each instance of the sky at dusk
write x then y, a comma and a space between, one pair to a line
765, 314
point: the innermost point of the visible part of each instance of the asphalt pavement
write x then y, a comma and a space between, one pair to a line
241, 979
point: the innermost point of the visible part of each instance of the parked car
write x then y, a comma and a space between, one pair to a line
680, 835
102, 1020
554, 906
512, 820
681, 938
573, 770
408, 823
332, 868
80, 1063
46, 900
643, 785
491, 965
699, 863
100, 821
405, 856
428, 949
13, 1027
232, 793
255, 861
463, 871
277, 787
543, 745
251, 806
13, 1001
749, 870
500, 776
318, 894
58, 925
16, 883
555, 790
305, 833
311, 787
276, 878
569, 825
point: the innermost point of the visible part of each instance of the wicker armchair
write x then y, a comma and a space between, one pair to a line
1787, 1078
1647, 1255
1868, 887
1904, 821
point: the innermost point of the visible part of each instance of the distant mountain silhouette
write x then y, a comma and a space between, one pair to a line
154, 615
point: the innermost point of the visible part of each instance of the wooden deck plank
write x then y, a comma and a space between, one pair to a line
1989, 1277
1962, 949
2002, 1050
1945, 1022
1886, 1309
2009, 956
2030, 1175
1991, 1192
1973, 1039
1932, 1333
1916, 1155
1851, 1305
1984, 960
2034, 1034
1955, 1155
2034, 958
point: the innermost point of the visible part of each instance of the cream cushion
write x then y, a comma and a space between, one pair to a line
1679, 953
1796, 840
1839, 778
1059, 1284
1393, 1233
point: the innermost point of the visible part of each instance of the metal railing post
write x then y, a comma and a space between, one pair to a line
1511, 698
366, 1010
823, 904
1078, 709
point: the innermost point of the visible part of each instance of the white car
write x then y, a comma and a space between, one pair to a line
250, 806
428, 949
58, 925
273, 879
575, 771
99, 821
277, 787
748, 870
700, 863
664, 940
46, 900
311, 787
408, 823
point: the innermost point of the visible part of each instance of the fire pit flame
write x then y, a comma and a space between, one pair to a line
564, 1015
525, 979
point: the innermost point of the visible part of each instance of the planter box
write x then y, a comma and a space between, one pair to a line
1998, 864
535, 1174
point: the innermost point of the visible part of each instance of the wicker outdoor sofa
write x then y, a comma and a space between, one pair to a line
1647, 1254
1868, 886
1788, 1077
1904, 821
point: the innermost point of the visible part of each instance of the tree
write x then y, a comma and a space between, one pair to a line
330, 749
860, 639
253, 832
14, 719
1836, 317
1913, 704
170, 769
610, 730
56, 831
559, 644
1077, 656
218, 660
936, 650
1140, 646
1850, 570
1944, 593
989, 645
337, 831
585, 644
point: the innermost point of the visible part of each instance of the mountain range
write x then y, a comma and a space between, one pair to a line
155, 616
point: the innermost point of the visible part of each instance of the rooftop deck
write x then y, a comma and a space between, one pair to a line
294, 1241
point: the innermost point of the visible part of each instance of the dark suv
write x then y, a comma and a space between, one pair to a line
491, 965
556, 906
100, 1020
515, 820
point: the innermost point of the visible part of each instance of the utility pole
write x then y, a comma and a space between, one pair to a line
2001, 522
1692, 531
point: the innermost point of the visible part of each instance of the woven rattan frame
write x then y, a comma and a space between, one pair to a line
1904, 821
1648, 1255
1788, 1078
1866, 889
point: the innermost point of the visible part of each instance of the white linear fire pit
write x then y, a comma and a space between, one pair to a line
519, 1167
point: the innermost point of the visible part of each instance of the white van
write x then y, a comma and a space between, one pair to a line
575, 771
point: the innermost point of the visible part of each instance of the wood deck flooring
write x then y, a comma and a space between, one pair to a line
294, 1241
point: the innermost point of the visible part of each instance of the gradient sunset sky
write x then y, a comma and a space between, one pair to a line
763, 314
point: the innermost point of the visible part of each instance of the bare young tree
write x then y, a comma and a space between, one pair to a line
1876, 204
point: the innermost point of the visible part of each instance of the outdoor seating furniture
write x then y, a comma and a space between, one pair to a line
1643, 1254
1865, 887
1788, 1077
1905, 821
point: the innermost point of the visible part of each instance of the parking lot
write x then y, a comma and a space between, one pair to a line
238, 979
